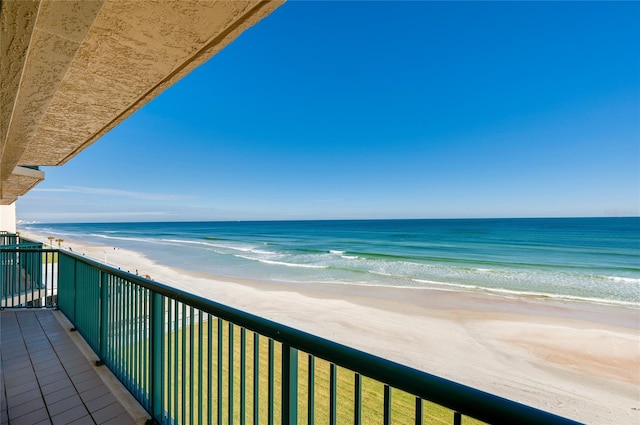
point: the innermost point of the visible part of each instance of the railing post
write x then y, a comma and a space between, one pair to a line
156, 325
289, 385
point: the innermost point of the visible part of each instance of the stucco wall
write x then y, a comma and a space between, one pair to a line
8, 218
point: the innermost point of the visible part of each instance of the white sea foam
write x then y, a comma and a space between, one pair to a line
122, 238
563, 297
261, 251
383, 273
283, 263
456, 285
334, 251
623, 279
511, 292
218, 245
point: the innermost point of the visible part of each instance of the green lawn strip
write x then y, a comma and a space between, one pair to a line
49, 258
188, 393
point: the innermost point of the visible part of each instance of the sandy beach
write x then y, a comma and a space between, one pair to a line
578, 360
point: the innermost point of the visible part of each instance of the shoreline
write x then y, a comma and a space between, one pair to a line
579, 360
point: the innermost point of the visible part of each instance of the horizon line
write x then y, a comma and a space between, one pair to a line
24, 222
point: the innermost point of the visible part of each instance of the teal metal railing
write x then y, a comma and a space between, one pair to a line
190, 360
28, 274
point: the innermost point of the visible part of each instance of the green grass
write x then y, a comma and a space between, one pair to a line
185, 393
50, 258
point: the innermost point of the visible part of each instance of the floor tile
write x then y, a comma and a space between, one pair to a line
30, 418
56, 386
64, 405
108, 412
51, 378
26, 397
45, 377
21, 388
94, 393
18, 410
70, 415
100, 402
59, 395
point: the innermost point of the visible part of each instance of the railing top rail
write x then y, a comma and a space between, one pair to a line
21, 246
466, 400
28, 249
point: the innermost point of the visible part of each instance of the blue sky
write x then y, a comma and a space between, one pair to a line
381, 110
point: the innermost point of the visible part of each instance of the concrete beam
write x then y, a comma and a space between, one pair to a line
21, 180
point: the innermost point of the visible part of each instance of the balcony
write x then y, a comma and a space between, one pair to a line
190, 360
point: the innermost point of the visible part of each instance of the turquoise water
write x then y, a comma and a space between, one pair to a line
588, 259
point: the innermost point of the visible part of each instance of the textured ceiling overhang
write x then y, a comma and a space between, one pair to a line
70, 71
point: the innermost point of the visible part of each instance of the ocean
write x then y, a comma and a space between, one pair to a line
583, 259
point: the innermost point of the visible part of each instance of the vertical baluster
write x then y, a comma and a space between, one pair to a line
419, 412
243, 375
357, 400
40, 271
200, 373
145, 349
146, 335
256, 377
34, 284
125, 338
333, 380
137, 341
184, 362
176, 361
457, 418
387, 405
120, 331
104, 301
55, 281
220, 395
140, 321
271, 377
130, 341
113, 320
135, 330
311, 393
4, 280
170, 361
230, 383
121, 347
108, 319
191, 375
157, 354
129, 358
7, 258
210, 369
289, 384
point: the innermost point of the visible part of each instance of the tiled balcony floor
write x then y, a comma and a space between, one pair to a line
45, 378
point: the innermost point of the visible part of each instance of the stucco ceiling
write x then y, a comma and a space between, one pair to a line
72, 70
